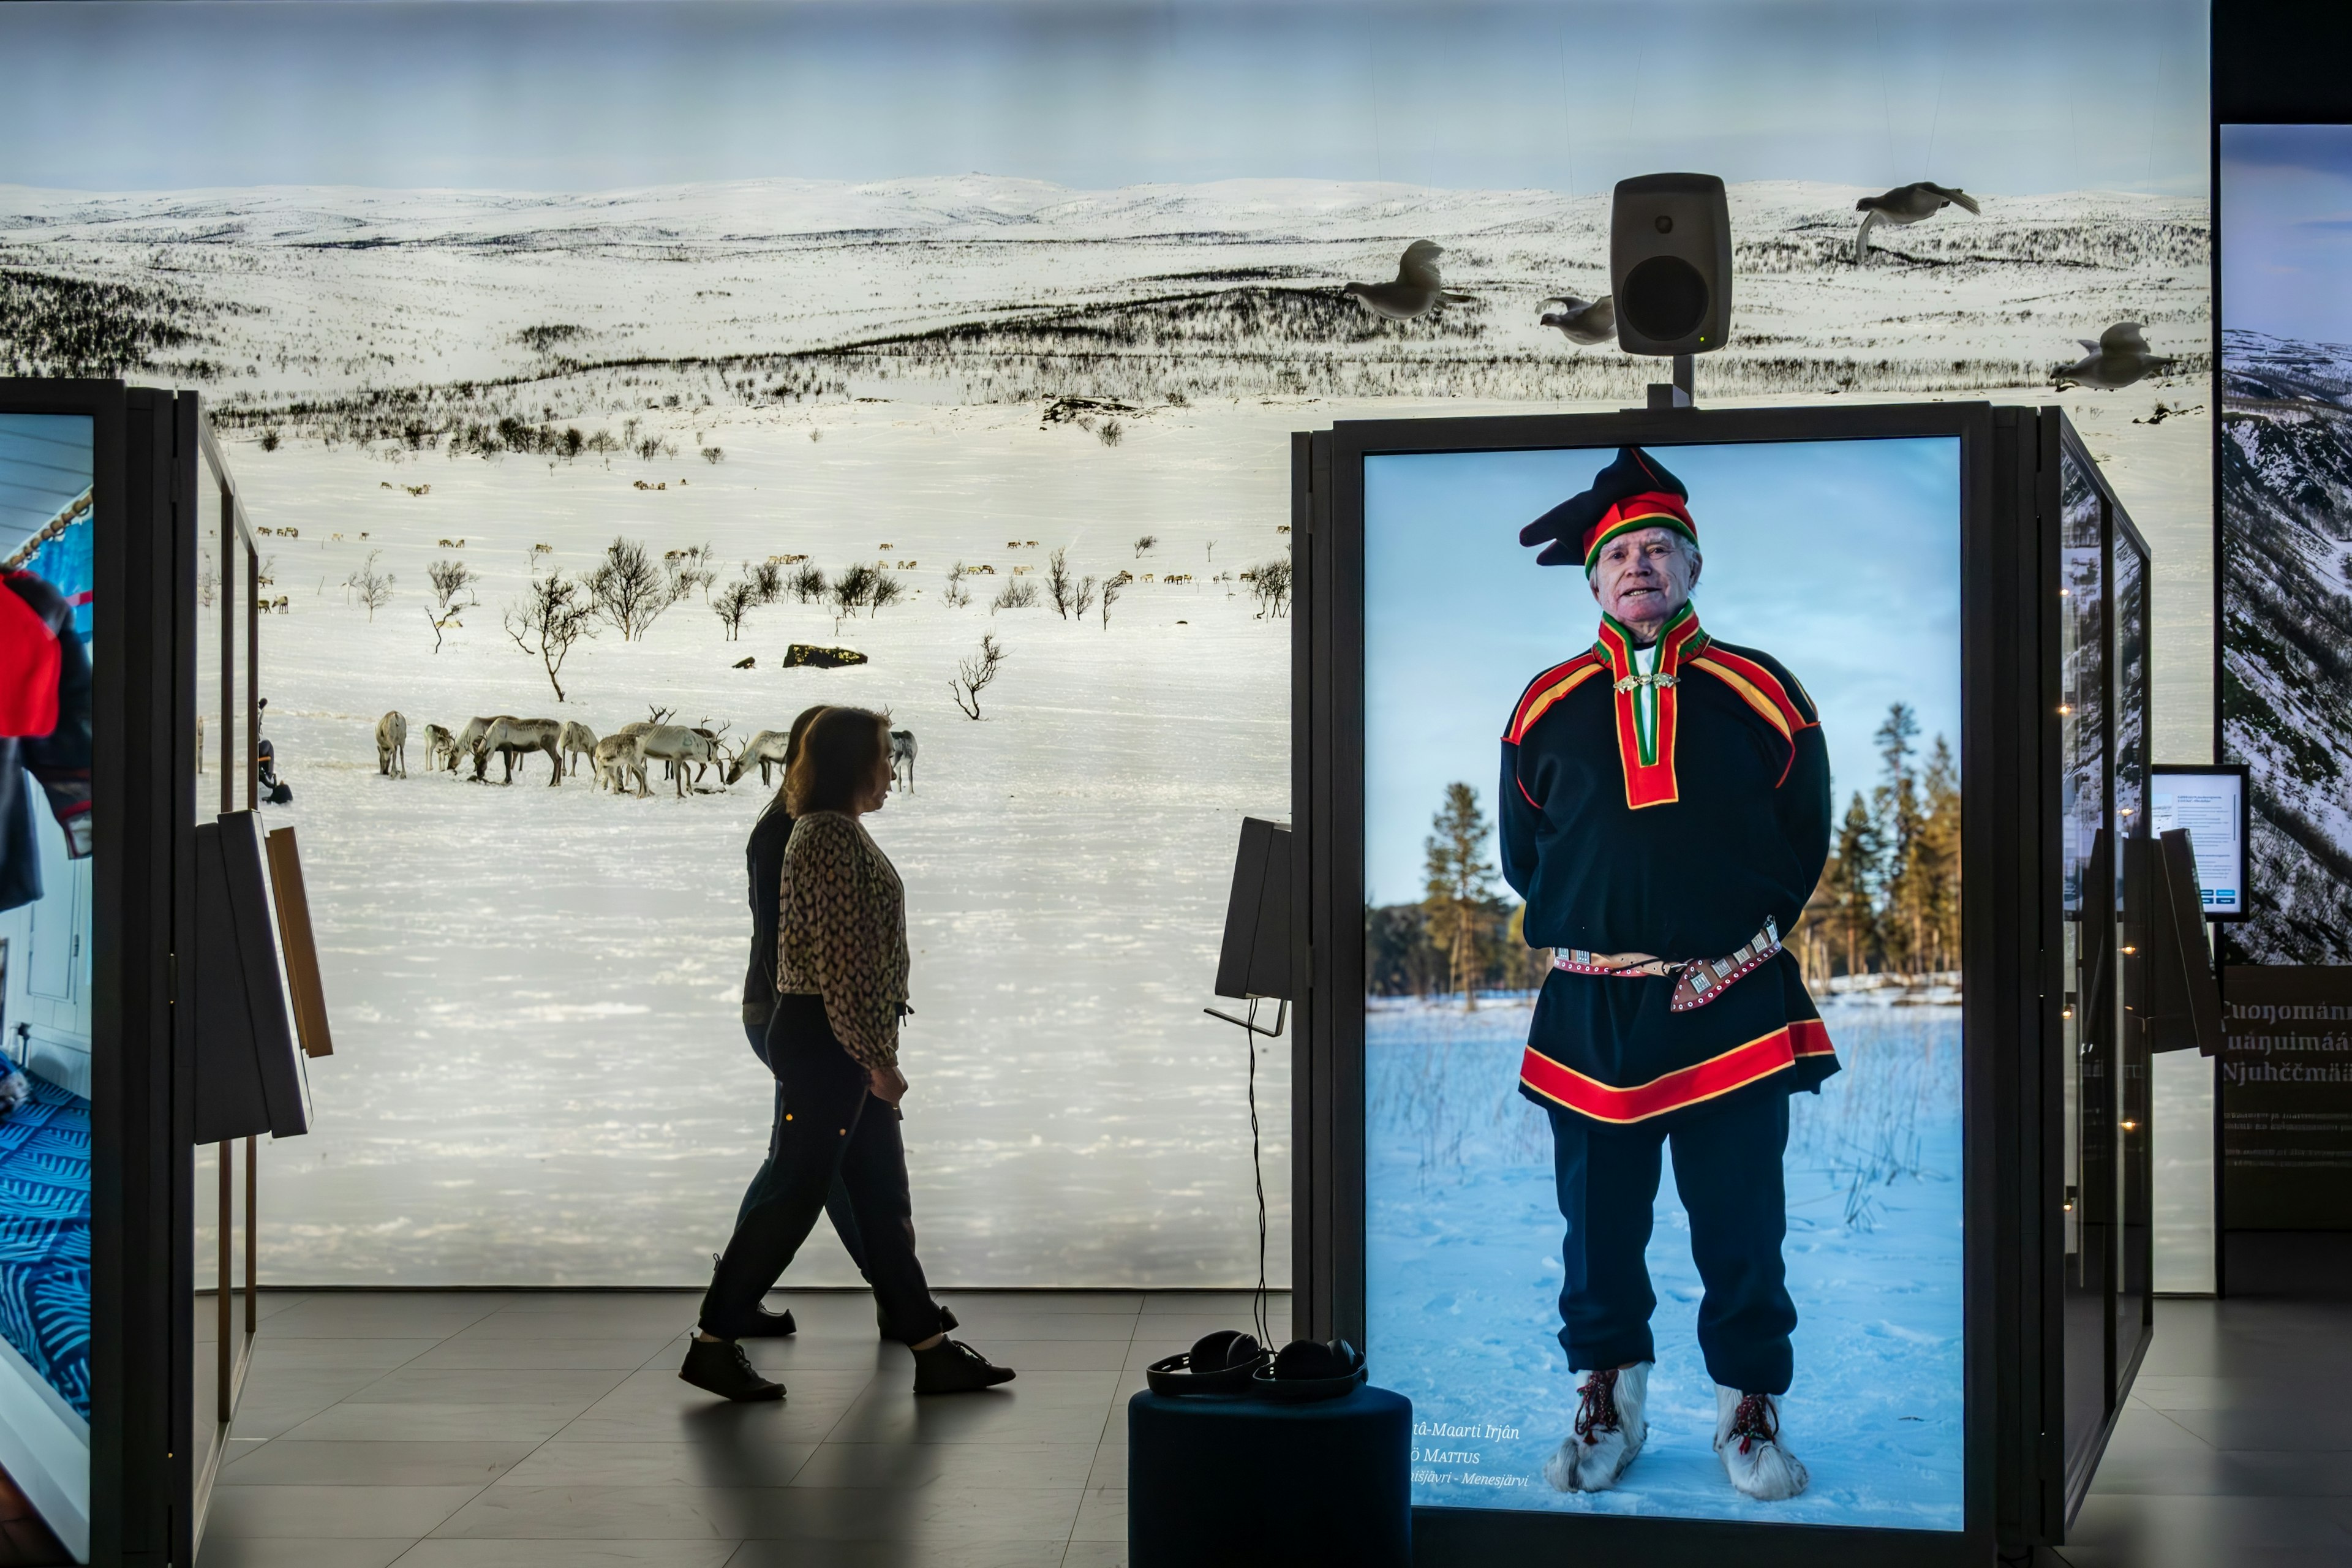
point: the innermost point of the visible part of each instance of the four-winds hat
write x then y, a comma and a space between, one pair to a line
1634, 491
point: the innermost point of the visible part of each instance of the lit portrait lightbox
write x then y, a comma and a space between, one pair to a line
1650, 1130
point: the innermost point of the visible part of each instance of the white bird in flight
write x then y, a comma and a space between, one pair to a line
2119, 358
1580, 321
1416, 290
1904, 204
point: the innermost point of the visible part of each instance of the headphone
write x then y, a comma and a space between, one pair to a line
1310, 1369
1221, 1362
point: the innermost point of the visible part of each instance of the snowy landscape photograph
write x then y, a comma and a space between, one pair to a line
689, 364
2286, 529
1464, 1265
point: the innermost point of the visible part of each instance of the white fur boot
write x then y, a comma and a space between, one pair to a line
1610, 1431
1747, 1436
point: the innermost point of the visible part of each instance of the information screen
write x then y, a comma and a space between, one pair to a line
2212, 805
1568, 1172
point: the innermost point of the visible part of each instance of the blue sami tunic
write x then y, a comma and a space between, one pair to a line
1665, 803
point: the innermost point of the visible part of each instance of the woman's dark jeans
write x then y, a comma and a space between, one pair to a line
831, 1130
836, 1202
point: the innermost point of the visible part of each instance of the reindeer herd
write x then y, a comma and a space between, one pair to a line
617, 760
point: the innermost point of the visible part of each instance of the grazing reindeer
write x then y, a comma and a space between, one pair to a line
440, 747
618, 759
767, 748
678, 746
578, 741
392, 746
902, 754
514, 738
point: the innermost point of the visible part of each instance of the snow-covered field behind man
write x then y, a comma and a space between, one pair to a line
539, 1076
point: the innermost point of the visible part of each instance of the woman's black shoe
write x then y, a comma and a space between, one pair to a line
882, 1322
764, 1324
721, 1367
952, 1366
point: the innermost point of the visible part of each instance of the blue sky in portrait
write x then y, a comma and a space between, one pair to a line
2286, 230
2011, 97
1839, 558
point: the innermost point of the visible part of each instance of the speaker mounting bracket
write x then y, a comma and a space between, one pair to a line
1676, 393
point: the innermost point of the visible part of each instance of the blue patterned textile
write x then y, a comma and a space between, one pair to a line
44, 1238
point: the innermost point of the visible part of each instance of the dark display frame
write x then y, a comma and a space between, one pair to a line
2016, 1492
140, 580
2245, 825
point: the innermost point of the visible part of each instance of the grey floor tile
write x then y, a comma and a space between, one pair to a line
565, 1462
997, 1416
2116, 1532
977, 1326
397, 1316
1042, 1354
675, 1553
620, 1513
546, 1353
1128, 1302
268, 1304
415, 1384
1109, 1468
379, 1355
277, 1402
333, 1511
298, 1551
1095, 1554
1102, 1515
579, 1322
934, 1515
2245, 1430
286, 1462
807, 1554
912, 1466
456, 1421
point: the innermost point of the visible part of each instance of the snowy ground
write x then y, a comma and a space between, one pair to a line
1463, 1276
540, 1078
540, 1073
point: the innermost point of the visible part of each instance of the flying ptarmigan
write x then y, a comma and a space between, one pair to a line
2119, 358
1904, 204
1581, 322
1416, 290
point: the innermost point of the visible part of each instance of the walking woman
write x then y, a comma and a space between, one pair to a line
764, 858
833, 1044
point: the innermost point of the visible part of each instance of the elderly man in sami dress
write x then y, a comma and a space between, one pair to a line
1666, 813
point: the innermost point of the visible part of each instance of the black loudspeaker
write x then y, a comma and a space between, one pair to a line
1670, 264
1254, 958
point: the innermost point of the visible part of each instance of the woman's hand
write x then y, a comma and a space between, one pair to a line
887, 1085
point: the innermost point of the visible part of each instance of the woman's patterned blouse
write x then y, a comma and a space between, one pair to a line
842, 932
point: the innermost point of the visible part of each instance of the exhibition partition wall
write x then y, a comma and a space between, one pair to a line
1908, 723
2286, 661
787, 302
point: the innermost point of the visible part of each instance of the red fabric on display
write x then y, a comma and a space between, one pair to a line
30, 661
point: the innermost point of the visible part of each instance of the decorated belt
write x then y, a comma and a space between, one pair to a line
1697, 983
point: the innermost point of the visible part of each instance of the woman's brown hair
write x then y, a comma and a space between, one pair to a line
792, 752
840, 753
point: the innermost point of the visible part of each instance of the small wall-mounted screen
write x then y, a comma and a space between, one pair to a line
1662, 1051
45, 842
2211, 807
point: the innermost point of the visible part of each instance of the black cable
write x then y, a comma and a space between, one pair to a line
1258, 1318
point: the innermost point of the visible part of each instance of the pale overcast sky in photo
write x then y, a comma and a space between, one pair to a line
2009, 97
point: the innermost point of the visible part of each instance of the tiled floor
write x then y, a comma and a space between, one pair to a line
532, 1430
2236, 1449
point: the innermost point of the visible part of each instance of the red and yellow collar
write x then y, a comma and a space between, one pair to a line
1649, 706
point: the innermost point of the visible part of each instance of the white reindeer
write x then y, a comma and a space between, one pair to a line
578, 741
514, 738
618, 759
440, 748
902, 754
767, 749
678, 746
392, 746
